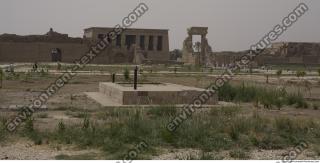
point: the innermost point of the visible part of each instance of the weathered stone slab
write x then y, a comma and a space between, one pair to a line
151, 94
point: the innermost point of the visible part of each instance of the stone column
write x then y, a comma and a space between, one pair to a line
203, 49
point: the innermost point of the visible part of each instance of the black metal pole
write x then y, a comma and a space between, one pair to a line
113, 78
135, 82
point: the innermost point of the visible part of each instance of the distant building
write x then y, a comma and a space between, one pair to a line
279, 53
133, 46
153, 44
291, 53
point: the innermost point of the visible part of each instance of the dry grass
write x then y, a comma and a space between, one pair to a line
219, 129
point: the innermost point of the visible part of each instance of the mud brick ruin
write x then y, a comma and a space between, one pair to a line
138, 46
132, 46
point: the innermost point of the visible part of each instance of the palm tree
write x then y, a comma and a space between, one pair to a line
197, 46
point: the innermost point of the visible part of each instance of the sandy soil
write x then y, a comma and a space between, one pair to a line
17, 92
187, 154
24, 149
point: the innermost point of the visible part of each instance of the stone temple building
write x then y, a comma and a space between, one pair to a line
133, 46
137, 46
291, 53
284, 53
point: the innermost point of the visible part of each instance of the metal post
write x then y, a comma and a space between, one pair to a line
113, 78
135, 81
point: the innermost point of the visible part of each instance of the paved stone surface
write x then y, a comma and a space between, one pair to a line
102, 99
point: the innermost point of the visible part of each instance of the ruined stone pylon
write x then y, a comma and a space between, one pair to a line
200, 57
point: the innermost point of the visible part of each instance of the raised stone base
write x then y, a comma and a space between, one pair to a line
150, 94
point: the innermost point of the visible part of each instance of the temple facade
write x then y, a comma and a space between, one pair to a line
133, 46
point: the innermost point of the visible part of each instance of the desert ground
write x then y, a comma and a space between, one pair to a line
262, 114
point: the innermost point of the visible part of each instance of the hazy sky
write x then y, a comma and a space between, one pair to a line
233, 24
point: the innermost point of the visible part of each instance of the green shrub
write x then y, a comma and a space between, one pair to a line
61, 126
189, 67
42, 115
302, 104
238, 126
258, 123
28, 127
163, 111
227, 93
301, 73
284, 124
86, 123
269, 98
43, 73
298, 100
31, 133
2, 131
294, 98
230, 111
81, 115
112, 146
12, 76
269, 141
167, 136
246, 93
27, 76
211, 70
126, 74
279, 103
279, 73
219, 141
115, 113
220, 129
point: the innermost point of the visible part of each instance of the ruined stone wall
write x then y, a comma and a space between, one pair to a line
31, 48
292, 53
304, 49
60, 38
41, 52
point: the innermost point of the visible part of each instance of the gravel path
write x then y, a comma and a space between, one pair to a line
187, 154
26, 150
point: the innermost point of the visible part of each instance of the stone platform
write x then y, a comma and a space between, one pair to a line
119, 94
